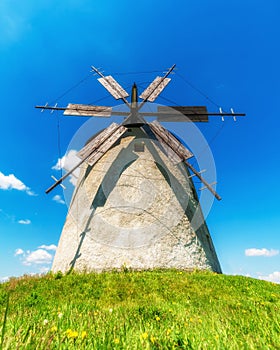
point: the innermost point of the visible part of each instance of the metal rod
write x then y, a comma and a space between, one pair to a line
52, 108
97, 71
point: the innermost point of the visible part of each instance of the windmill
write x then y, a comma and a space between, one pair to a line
135, 202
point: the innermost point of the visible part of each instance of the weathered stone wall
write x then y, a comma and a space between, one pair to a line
134, 208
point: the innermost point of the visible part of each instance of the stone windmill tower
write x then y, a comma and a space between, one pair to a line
135, 203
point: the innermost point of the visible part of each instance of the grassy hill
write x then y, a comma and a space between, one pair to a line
140, 310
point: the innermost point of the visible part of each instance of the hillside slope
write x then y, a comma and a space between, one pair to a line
140, 310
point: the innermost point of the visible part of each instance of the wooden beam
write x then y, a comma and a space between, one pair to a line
170, 141
88, 110
205, 183
100, 147
155, 87
184, 159
59, 181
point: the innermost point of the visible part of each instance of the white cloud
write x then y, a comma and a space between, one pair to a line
10, 182
57, 198
272, 277
261, 252
31, 193
68, 162
24, 222
4, 279
19, 251
43, 255
48, 247
38, 257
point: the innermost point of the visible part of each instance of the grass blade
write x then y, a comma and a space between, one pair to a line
5, 321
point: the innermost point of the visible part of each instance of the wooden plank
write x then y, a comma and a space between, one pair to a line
175, 159
182, 114
113, 87
154, 89
59, 181
101, 150
87, 110
156, 127
170, 141
97, 140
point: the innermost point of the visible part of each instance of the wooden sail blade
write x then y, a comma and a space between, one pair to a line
180, 151
113, 87
100, 144
182, 114
154, 89
87, 110
170, 143
86, 156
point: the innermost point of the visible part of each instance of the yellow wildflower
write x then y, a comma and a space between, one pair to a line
53, 329
144, 335
84, 334
153, 339
116, 340
74, 334
157, 318
71, 334
168, 331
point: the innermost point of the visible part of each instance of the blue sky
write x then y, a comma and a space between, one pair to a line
227, 49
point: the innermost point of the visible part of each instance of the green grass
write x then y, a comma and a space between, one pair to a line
140, 310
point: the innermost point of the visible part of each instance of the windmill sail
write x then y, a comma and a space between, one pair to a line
170, 142
154, 89
87, 110
182, 114
115, 130
113, 87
